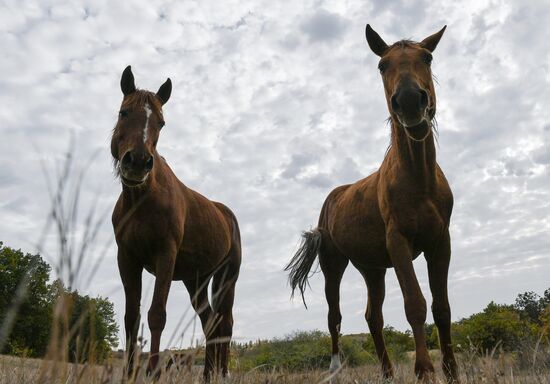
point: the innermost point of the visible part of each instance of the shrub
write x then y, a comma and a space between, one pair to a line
497, 325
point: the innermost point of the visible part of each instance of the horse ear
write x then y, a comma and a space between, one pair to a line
431, 42
164, 91
376, 44
127, 81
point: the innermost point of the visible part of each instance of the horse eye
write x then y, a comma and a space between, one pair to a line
382, 66
161, 124
123, 113
428, 58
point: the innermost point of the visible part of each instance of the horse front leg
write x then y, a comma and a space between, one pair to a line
164, 271
401, 255
130, 274
438, 261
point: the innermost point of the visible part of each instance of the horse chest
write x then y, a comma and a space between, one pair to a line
421, 219
149, 234
142, 237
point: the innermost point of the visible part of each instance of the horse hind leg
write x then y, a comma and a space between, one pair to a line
333, 264
198, 292
223, 295
376, 286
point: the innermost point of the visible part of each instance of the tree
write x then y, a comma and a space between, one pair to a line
531, 306
97, 331
497, 325
86, 324
30, 333
91, 321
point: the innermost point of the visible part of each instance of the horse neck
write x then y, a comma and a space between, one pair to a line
416, 158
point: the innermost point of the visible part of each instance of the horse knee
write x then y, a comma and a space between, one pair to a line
156, 319
441, 313
226, 326
131, 317
334, 319
374, 319
416, 311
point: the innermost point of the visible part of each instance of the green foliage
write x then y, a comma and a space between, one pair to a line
96, 329
497, 325
298, 351
397, 343
432, 336
311, 350
30, 332
302, 350
91, 319
531, 306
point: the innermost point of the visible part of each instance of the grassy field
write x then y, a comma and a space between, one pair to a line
474, 369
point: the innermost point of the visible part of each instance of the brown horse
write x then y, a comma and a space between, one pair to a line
388, 218
170, 230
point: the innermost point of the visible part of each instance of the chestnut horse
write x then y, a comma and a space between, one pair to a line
388, 218
171, 231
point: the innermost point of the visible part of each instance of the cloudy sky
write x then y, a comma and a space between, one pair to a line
273, 105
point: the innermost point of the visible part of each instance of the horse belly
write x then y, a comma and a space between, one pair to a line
360, 235
190, 265
202, 250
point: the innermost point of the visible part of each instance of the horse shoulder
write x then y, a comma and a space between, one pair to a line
207, 226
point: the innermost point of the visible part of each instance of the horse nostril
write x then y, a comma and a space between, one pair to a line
149, 163
127, 159
423, 99
394, 103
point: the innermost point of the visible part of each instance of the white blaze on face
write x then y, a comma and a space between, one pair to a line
148, 112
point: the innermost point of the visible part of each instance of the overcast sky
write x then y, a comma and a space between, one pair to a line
273, 105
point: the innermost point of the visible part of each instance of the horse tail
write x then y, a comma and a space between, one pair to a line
302, 261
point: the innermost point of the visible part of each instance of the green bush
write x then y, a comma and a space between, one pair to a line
311, 350
496, 327
397, 343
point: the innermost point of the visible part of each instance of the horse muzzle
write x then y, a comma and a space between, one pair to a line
135, 167
409, 104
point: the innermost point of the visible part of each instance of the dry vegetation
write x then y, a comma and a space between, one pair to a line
474, 369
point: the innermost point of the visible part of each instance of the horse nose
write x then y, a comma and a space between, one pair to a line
409, 100
128, 160
134, 160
